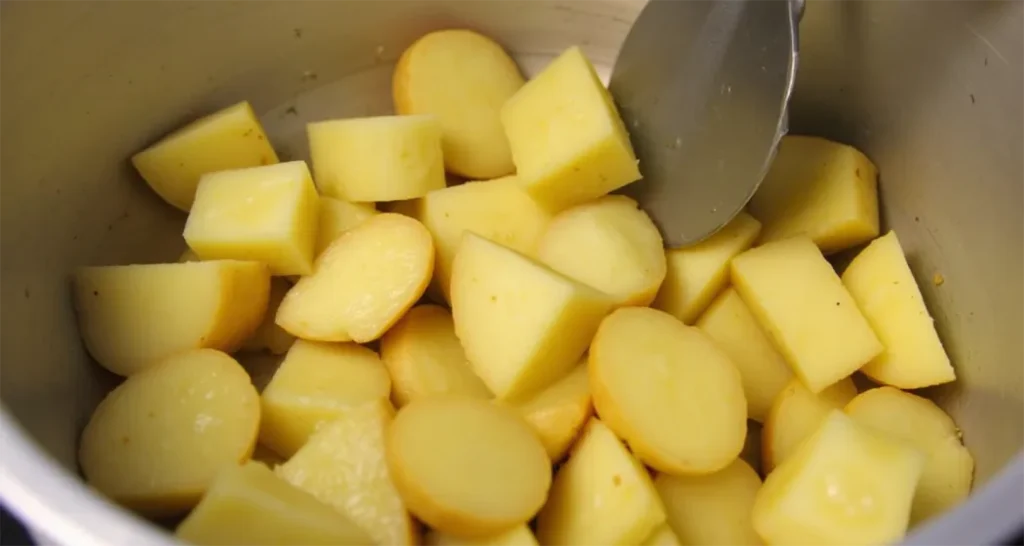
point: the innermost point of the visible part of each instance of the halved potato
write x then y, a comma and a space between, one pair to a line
519, 536
337, 217
712, 509
558, 413
795, 415
269, 335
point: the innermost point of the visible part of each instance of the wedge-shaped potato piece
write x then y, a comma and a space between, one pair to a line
846, 485
388, 158
425, 358
668, 391
663, 535
883, 286
249, 505
948, 468
819, 189
316, 383
601, 495
463, 78
519, 536
731, 325
229, 139
567, 139
269, 336
158, 440
343, 465
712, 509
608, 244
130, 316
522, 325
699, 272
467, 467
337, 217
801, 303
363, 283
795, 415
558, 413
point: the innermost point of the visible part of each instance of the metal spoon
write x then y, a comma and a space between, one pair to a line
703, 87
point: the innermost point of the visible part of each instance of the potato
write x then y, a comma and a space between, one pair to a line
133, 315
568, 142
265, 455
668, 391
188, 256
229, 139
337, 217
315, 384
883, 286
558, 413
731, 325
795, 415
522, 325
467, 467
249, 505
711, 509
697, 273
800, 302
463, 78
845, 485
386, 158
948, 468
608, 244
343, 465
425, 358
663, 535
156, 442
602, 495
519, 536
269, 335
363, 283
819, 189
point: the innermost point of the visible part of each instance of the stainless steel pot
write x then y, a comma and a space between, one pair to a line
931, 91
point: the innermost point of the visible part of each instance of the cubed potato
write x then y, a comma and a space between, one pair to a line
663, 535
519, 536
316, 383
819, 189
558, 413
343, 465
811, 318
846, 485
463, 78
425, 358
568, 142
696, 274
264, 214
712, 509
388, 158
158, 440
363, 283
229, 139
337, 217
248, 505
601, 495
269, 336
133, 315
522, 325
795, 415
883, 286
949, 466
608, 244
668, 391
731, 325
467, 467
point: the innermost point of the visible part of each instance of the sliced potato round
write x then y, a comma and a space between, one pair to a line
667, 390
157, 441
467, 467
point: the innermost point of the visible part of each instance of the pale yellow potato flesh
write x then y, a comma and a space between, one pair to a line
696, 274
131, 316
811, 318
713, 509
519, 536
158, 440
880, 281
337, 217
229, 139
467, 467
662, 536
558, 413
795, 415
363, 283
847, 484
568, 142
601, 495
249, 505
463, 78
269, 336
424, 357
949, 466
609, 244
522, 324
668, 391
